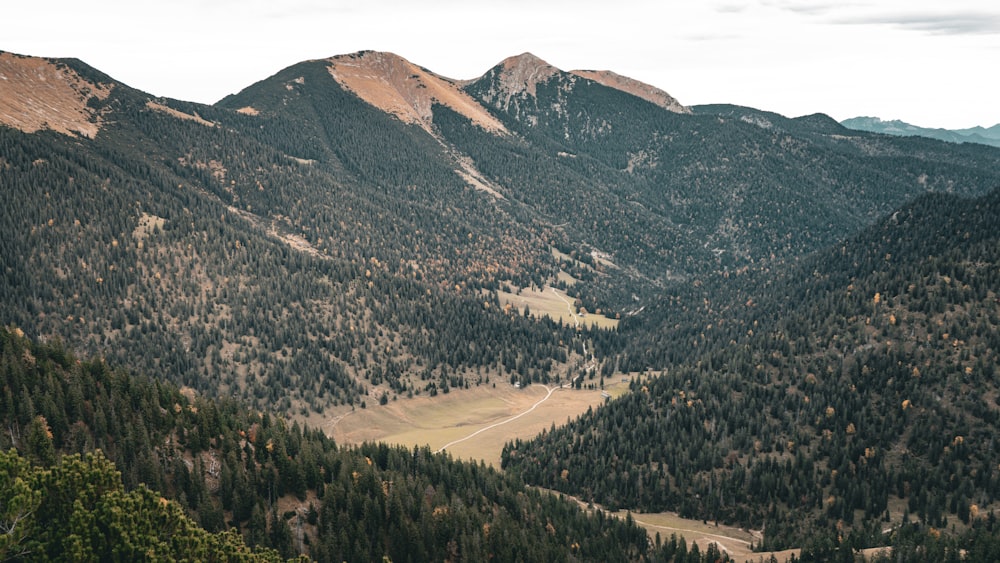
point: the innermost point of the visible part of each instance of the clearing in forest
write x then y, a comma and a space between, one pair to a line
556, 304
475, 422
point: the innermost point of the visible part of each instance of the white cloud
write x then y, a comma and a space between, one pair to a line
963, 23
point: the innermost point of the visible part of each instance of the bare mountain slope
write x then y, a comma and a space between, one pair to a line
401, 88
40, 94
632, 86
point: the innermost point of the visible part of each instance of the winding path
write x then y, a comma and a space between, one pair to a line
703, 533
576, 319
501, 423
569, 305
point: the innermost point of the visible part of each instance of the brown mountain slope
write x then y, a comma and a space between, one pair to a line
521, 75
37, 94
397, 86
645, 91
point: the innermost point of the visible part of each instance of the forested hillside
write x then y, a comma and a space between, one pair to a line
306, 250
180, 246
671, 197
831, 405
236, 477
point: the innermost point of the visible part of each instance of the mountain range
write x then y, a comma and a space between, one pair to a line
356, 229
303, 241
982, 135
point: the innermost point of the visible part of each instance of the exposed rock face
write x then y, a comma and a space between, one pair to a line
523, 73
397, 86
37, 94
516, 77
645, 91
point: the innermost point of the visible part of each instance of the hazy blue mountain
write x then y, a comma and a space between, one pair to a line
985, 136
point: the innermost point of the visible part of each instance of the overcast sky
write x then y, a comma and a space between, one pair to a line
933, 64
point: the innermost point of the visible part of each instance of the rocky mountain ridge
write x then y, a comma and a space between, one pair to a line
401, 88
632, 86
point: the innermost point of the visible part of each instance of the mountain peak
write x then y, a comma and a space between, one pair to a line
523, 72
516, 76
525, 59
397, 86
632, 86
37, 93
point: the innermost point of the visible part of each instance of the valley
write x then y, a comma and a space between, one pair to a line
480, 422
376, 287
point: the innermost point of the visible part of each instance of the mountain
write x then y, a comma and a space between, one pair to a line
979, 135
726, 192
638, 89
234, 255
40, 94
308, 241
398, 87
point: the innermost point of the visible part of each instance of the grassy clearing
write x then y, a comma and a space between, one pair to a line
439, 420
148, 224
734, 541
555, 304
562, 276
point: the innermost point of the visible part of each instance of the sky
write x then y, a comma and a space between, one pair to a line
933, 64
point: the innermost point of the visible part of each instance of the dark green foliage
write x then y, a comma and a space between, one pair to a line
78, 510
353, 504
678, 196
314, 249
811, 400
154, 262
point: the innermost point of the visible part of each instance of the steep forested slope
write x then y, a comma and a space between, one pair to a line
676, 196
181, 243
856, 392
229, 467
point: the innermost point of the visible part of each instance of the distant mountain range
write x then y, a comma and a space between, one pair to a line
985, 136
